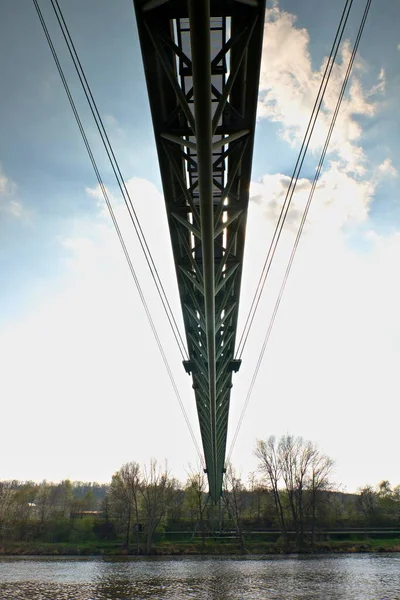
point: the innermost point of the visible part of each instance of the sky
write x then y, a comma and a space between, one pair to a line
83, 386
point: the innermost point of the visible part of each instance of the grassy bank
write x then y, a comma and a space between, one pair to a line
211, 548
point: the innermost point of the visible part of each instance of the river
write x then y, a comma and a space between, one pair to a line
333, 577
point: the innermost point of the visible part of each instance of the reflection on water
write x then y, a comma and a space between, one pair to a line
364, 577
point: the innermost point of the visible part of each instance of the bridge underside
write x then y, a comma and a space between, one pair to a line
202, 64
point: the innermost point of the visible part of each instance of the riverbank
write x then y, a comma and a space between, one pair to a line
212, 548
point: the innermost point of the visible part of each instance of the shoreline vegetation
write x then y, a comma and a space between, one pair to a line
209, 548
291, 505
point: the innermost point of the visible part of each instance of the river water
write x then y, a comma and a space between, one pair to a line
333, 577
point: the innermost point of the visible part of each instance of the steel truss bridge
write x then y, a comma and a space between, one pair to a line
202, 64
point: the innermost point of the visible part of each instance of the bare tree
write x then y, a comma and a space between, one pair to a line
176, 504
287, 458
156, 493
125, 487
270, 466
196, 498
319, 483
7, 497
303, 470
234, 501
295, 456
45, 498
257, 494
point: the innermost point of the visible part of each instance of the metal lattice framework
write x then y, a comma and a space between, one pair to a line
202, 64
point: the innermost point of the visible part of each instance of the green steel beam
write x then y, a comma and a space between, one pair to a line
199, 18
205, 163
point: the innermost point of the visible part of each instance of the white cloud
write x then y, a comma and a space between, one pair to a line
387, 169
330, 369
289, 85
332, 357
141, 192
7, 187
114, 129
95, 192
90, 362
339, 200
110, 120
8, 202
12, 207
380, 87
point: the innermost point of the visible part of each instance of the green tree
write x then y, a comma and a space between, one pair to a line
44, 500
367, 504
258, 493
8, 491
196, 499
23, 510
388, 502
126, 485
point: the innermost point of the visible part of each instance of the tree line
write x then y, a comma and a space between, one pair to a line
292, 494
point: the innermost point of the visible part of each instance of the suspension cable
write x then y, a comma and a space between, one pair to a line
117, 229
302, 223
294, 178
119, 178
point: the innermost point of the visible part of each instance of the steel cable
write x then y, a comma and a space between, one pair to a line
294, 178
118, 175
114, 220
302, 223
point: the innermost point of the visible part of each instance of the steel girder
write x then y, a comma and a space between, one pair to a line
202, 64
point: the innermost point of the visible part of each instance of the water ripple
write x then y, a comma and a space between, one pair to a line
364, 577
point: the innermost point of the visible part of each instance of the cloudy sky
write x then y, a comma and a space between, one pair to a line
83, 387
